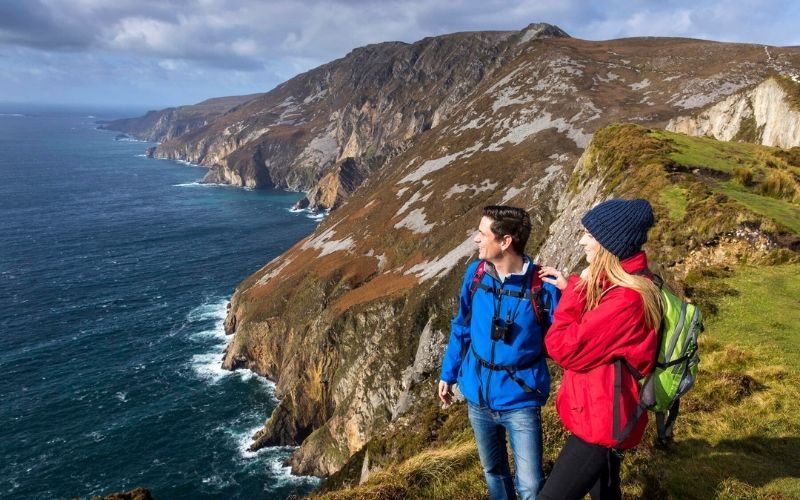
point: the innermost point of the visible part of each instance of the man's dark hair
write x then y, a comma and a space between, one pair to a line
511, 221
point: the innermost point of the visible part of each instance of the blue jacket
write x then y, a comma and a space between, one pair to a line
470, 335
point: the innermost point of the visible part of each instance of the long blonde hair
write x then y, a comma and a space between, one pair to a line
606, 265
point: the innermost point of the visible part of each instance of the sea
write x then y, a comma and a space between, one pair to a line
115, 273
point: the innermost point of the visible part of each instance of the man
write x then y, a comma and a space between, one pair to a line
495, 352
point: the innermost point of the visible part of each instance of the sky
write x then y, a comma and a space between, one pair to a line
159, 53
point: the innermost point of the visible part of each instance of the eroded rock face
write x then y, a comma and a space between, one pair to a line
158, 126
764, 115
340, 320
336, 186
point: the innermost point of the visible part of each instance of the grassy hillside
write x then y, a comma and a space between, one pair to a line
728, 233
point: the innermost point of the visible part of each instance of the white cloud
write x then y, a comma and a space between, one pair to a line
255, 44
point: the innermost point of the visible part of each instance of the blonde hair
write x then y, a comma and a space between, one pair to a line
606, 265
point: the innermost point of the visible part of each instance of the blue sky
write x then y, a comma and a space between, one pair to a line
156, 53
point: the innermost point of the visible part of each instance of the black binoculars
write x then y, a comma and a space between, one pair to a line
501, 329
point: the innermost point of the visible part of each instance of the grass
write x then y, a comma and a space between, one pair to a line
709, 153
674, 199
762, 179
785, 213
739, 432
739, 436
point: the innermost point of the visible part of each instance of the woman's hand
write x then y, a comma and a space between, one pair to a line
585, 274
553, 276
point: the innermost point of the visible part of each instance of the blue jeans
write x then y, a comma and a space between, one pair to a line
524, 428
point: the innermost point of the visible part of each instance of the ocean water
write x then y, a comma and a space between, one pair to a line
115, 272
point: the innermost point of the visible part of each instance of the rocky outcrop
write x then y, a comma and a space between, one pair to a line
135, 494
158, 126
336, 186
763, 115
367, 106
348, 321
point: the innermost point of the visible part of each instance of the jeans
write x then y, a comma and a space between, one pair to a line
583, 468
524, 428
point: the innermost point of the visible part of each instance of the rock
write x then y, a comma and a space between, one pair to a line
336, 186
135, 494
763, 115
349, 322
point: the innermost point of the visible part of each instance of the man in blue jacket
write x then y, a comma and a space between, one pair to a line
495, 352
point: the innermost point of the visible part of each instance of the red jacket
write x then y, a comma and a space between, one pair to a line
586, 344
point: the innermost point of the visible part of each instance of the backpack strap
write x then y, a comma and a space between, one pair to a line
536, 293
509, 369
541, 309
665, 421
476, 278
617, 432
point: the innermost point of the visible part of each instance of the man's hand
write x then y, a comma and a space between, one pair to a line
553, 276
445, 392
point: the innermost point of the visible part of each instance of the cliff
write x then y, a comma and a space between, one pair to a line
165, 124
768, 114
351, 321
367, 105
713, 235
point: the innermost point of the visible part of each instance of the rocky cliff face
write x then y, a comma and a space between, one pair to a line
765, 114
158, 126
351, 320
336, 186
367, 106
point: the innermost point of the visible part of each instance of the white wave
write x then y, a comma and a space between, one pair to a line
311, 214
142, 155
96, 436
274, 455
15, 115
122, 396
244, 440
184, 162
218, 481
208, 365
216, 309
283, 473
200, 184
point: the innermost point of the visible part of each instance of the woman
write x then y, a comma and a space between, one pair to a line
604, 337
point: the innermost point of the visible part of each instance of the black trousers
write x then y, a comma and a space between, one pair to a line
583, 468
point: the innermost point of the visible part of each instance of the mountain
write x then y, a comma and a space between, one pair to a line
726, 238
410, 141
352, 320
165, 124
367, 106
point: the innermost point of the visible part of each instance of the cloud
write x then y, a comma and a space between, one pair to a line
258, 43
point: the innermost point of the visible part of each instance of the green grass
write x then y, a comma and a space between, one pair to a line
674, 199
709, 153
739, 436
784, 213
765, 314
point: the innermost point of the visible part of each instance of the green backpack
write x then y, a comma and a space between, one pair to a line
676, 364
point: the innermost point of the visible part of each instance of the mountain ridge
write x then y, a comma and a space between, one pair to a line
350, 321
393, 250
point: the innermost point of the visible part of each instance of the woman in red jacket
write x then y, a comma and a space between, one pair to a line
604, 336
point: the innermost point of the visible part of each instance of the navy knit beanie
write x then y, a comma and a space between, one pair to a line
620, 226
